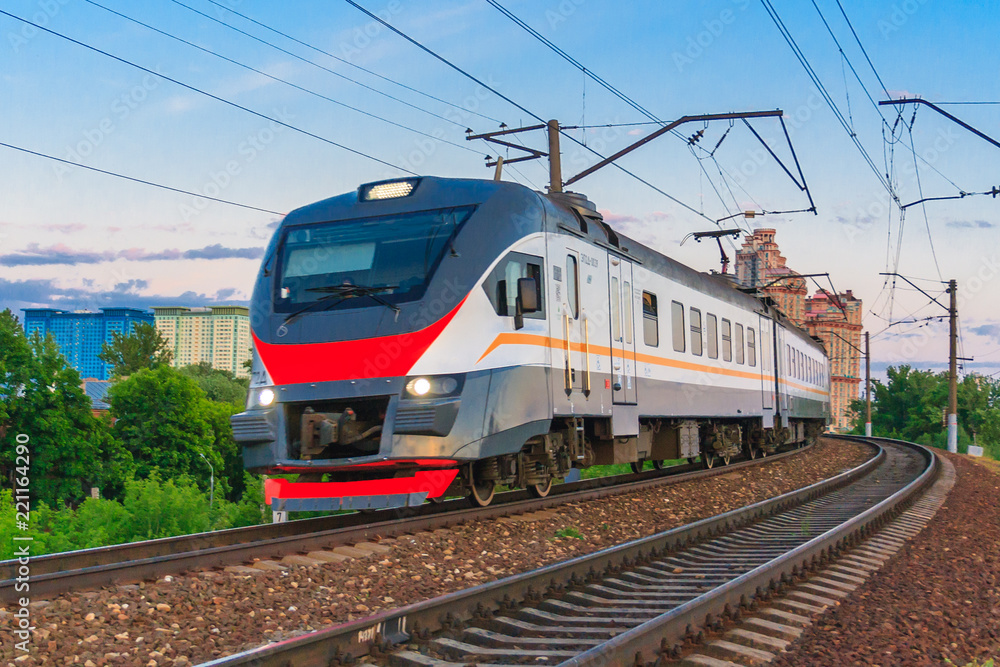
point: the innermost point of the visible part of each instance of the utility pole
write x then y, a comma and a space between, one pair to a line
953, 368
868, 386
555, 164
952, 415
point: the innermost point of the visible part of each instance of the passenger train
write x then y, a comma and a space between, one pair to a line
430, 336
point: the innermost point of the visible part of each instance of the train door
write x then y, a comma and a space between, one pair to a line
575, 330
767, 372
782, 367
622, 318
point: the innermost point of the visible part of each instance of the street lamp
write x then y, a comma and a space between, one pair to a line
211, 497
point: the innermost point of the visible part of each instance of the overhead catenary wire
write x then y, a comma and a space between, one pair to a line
522, 108
350, 64
207, 94
279, 79
135, 179
315, 64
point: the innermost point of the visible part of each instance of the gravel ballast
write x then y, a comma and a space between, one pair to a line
194, 618
936, 600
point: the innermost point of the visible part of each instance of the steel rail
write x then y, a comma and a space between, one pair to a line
376, 634
59, 573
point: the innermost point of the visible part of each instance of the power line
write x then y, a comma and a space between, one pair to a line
207, 94
520, 107
314, 64
279, 79
800, 56
920, 190
348, 62
137, 180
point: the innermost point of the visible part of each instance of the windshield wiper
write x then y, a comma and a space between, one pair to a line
344, 292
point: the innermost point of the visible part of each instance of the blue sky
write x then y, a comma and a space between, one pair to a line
77, 239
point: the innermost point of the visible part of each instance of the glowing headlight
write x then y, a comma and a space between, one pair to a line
433, 386
388, 190
265, 397
418, 386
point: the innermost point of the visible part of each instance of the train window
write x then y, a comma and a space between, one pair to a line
788, 360
751, 346
727, 340
627, 295
696, 332
650, 326
501, 284
616, 311
739, 343
712, 326
677, 323
572, 286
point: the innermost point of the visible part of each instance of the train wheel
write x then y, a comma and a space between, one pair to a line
709, 459
481, 492
637, 466
540, 490
659, 465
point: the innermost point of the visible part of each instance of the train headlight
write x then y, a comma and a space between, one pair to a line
394, 189
265, 397
419, 386
444, 385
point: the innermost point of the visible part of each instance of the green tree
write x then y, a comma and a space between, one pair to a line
219, 385
145, 347
43, 401
164, 420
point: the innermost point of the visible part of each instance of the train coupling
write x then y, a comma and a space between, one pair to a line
320, 430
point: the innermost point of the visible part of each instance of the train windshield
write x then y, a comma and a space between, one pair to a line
349, 263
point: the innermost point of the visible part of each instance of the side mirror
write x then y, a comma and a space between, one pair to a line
527, 295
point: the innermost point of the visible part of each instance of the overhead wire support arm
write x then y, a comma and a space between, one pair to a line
917, 100
491, 137
667, 128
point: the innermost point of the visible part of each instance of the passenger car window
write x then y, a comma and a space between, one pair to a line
696, 346
713, 336
727, 340
677, 324
627, 295
650, 325
739, 343
751, 346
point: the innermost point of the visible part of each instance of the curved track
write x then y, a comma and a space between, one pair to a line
59, 573
636, 601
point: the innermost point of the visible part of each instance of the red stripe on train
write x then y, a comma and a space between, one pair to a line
385, 356
434, 482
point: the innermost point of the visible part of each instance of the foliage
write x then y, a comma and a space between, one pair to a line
42, 400
166, 423
569, 532
910, 406
218, 385
145, 347
152, 508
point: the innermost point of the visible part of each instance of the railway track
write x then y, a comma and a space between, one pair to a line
635, 602
59, 573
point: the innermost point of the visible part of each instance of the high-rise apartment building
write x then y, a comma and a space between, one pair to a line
219, 335
759, 264
836, 320
81, 334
